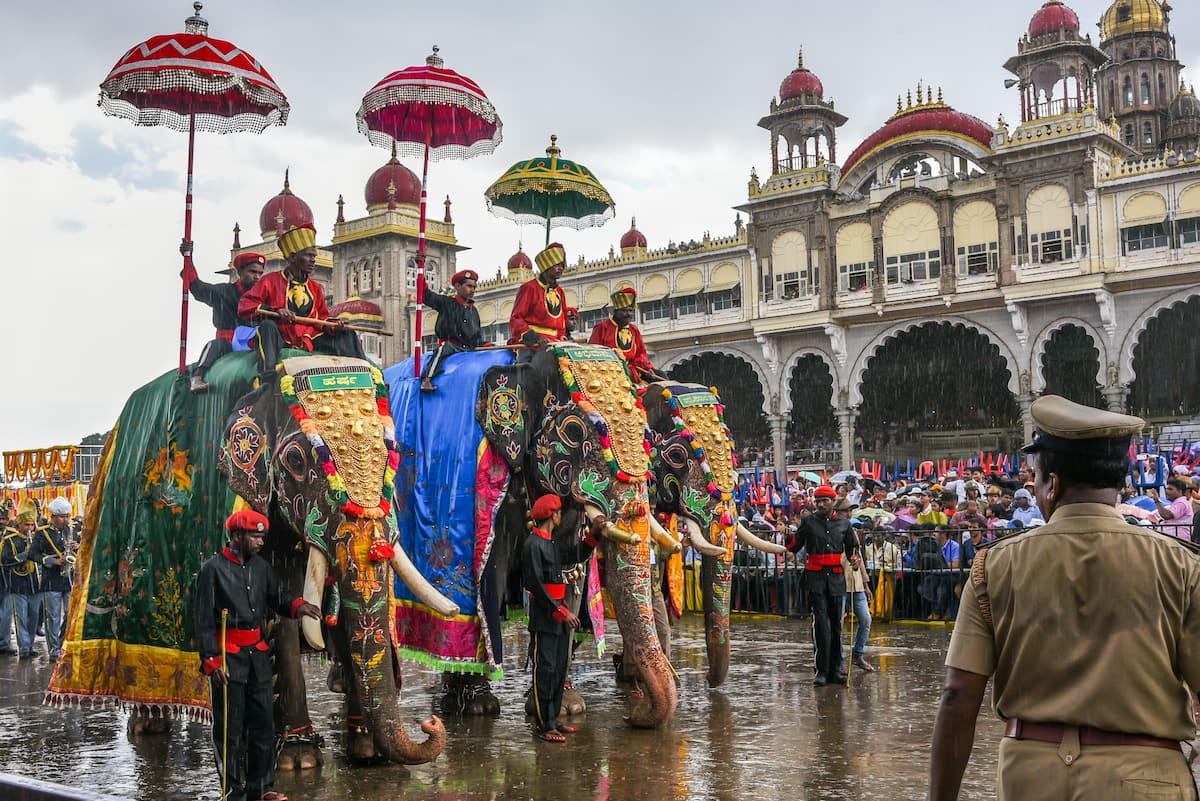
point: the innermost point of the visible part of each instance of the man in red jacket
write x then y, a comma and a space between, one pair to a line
620, 334
292, 293
539, 311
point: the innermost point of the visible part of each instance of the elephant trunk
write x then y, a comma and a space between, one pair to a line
716, 576
393, 742
628, 582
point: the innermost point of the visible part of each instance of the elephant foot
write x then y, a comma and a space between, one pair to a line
469, 695
301, 749
140, 725
336, 680
572, 703
360, 745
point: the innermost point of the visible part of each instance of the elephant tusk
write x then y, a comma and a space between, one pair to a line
663, 537
419, 585
314, 590
699, 542
611, 530
758, 542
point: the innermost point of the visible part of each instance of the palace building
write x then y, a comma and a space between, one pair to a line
910, 299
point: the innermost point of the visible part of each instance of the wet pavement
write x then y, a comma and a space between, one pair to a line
766, 734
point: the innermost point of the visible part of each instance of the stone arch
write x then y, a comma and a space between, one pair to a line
1144, 208
814, 420
854, 385
761, 372
1165, 361
1038, 351
740, 383
1124, 365
1188, 204
785, 377
911, 227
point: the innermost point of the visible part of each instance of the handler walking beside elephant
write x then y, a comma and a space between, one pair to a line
233, 591
550, 620
825, 538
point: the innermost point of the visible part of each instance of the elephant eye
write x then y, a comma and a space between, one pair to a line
293, 459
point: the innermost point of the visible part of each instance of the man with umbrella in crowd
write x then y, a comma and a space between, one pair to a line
539, 313
280, 297
620, 334
458, 328
825, 537
1089, 627
224, 299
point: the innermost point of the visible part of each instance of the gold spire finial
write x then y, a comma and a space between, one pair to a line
899, 108
553, 151
394, 160
939, 100
800, 66
287, 186
908, 99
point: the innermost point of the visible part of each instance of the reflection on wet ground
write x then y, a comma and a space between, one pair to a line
766, 734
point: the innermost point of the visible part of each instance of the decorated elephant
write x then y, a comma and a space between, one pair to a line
567, 422
693, 463
315, 452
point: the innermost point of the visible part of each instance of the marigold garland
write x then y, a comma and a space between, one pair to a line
380, 549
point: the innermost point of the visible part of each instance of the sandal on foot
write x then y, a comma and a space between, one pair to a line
550, 736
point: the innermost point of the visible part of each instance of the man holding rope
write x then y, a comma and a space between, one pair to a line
280, 298
233, 591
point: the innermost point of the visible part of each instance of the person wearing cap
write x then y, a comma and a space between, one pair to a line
458, 329
825, 537
619, 333
20, 582
224, 299
1023, 510
539, 310
53, 549
1089, 628
233, 591
290, 293
550, 619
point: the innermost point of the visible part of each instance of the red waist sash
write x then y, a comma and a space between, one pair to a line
816, 561
556, 591
236, 639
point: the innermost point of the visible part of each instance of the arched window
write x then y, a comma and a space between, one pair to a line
1145, 89
1048, 220
352, 286
789, 264
1162, 89
976, 238
911, 244
1127, 90
1129, 135
378, 275
349, 279
1147, 133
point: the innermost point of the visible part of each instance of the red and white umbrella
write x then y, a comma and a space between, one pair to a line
187, 82
435, 113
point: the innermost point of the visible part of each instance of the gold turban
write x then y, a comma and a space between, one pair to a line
624, 298
296, 239
552, 255
27, 512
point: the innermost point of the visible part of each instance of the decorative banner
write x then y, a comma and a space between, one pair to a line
56, 463
75, 492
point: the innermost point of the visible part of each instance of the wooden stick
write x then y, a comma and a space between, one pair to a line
328, 323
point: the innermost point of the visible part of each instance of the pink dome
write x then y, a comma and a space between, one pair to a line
408, 185
295, 211
520, 261
633, 238
1052, 17
800, 82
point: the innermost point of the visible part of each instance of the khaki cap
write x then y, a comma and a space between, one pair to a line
1067, 427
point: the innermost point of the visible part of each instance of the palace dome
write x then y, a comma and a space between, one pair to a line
295, 211
1052, 17
930, 119
1186, 106
1133, 16
633, 238
800, 82
358, 311
408, 185
519, 261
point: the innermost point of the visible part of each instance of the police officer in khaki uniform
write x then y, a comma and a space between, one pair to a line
1090, 628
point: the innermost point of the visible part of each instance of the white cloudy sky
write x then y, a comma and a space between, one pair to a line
659, 99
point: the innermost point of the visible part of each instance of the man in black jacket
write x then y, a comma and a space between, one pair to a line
233, 592
224, 300
457, 326
550, 620
825, 537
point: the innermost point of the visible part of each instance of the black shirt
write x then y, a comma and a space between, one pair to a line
541, 573
18, 574
248, 590
457, 321
825, 535
224, 301
50, 543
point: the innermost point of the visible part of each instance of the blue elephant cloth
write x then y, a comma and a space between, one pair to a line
435, 504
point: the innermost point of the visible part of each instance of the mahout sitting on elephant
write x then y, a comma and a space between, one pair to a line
313, 450
568, 422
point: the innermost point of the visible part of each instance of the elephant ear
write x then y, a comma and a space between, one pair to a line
504, 411
244, 456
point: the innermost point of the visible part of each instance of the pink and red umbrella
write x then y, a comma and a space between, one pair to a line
432, 112
187, 82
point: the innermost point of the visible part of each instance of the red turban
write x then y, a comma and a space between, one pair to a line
544, 507
825, 491
463, 275
244, 259
247, 520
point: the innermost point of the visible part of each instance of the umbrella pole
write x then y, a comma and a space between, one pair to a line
187, 256
421, 257
549, 201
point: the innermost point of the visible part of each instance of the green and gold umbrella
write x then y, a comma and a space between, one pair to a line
552, 191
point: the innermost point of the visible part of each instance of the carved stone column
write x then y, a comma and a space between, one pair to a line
845, 418
1116, 397
1024, 401
778, 423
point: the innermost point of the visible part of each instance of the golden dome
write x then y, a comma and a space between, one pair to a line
1134, 16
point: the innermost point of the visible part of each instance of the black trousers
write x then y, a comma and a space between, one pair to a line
433, 367
827, 629
550, 652
214, 350
244, 738
333, 343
